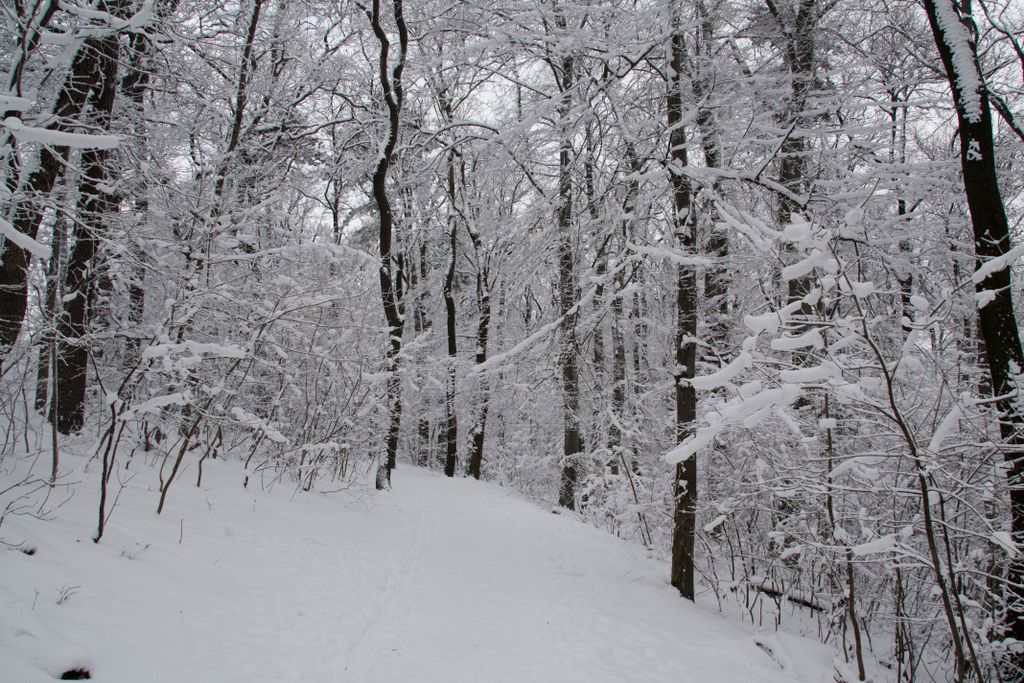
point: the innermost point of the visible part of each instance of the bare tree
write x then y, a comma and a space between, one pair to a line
390, 79
955, 34
684, 228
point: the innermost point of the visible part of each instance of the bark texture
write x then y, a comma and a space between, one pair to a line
390, 264
685, 484
954, 36
96, 207
29, 208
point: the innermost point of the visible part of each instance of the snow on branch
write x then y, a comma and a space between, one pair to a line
810, 339
155, 404
961, 49
11, 102
950, 425
137, 22
195, 348
15, 236
58, 138
253, 422
672, 255
747, 411
815, 259
994, 265
725, 375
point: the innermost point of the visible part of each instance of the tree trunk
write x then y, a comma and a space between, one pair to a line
451, 425
798, 53
615, 445
685, 484
95, 207
598, 418
419, 275
483, 297
27, 213
954, 36
717, 277
572, 442
390, 266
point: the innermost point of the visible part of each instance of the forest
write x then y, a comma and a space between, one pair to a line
737, 281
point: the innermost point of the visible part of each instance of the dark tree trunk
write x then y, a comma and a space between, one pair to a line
898, 154
954, 37
600, 271
601, 429
797, 25
390, 265
618, 383
638, 312
95, 208
572, 442
685, 484
618, 340
27, 213
419, 275
451, 425
483, 297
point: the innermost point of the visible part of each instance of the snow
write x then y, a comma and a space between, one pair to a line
854, 217
154, 404
11, 102
861, 290
961, 47
766, 322
859, 466
677, 257
817, 373
689, 447
811, 664
994, 265
799, 230
1005, 541
437, 580
59, 138
984, 298
725, 375
883, 544
811, 338
254, 422
40, 251
769, 322
194, 348
749, 408
815, 259
950, 425
715, 523
140, 20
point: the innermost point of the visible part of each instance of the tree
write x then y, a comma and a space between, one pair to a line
96, 207
563, 67
684, 231
955, 34
390, 263
27, 211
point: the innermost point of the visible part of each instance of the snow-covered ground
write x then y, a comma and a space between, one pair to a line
437, 580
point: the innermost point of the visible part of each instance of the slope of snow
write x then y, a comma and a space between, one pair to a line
437, 580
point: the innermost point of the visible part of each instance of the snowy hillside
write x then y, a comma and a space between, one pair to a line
437, 580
